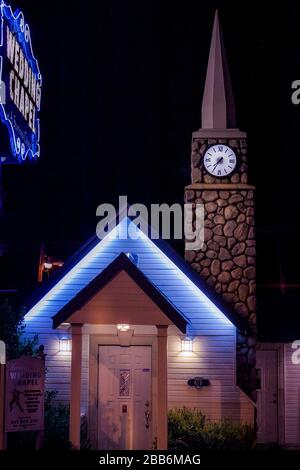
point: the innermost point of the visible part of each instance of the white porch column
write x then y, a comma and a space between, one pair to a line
74, 432
162, 387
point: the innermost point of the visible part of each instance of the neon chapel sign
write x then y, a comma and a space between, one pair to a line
21, 83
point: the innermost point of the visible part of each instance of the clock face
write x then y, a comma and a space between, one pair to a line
220, 160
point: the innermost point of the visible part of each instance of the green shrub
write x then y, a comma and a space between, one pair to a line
190, 430
12, 329
56, 434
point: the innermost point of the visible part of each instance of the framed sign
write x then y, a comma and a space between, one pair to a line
24, 394
20, 88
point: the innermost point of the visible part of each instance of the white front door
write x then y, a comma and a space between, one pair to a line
267, 396
124, 397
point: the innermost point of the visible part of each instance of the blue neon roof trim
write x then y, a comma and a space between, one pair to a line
96, 255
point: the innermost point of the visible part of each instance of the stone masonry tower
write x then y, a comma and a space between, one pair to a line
220, 182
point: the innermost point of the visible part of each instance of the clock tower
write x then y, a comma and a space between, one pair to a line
219, 164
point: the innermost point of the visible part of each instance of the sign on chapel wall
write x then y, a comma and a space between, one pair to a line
24, 394
20, 92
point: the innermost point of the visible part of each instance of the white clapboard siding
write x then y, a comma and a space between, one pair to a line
292, 398
214, 358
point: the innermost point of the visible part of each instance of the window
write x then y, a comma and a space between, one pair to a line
124, 382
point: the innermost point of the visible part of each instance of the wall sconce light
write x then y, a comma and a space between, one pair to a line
65, 345
187, 344
48, 265
123, 326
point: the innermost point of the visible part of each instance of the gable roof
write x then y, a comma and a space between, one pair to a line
121, 263
86, 264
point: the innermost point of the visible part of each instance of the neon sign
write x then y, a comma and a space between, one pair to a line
20, 90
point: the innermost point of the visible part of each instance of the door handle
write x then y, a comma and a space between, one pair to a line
147, 414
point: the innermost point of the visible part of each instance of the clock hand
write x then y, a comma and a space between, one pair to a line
219, 161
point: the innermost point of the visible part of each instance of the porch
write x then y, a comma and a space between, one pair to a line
126, 321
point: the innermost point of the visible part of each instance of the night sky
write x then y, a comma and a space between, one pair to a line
122, 91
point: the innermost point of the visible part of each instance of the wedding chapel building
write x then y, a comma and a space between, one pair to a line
131, 329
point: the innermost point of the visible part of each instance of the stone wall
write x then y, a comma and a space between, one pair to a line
227, 260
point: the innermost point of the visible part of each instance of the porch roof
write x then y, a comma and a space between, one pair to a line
121, 264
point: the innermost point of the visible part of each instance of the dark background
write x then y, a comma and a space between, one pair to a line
122, 91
